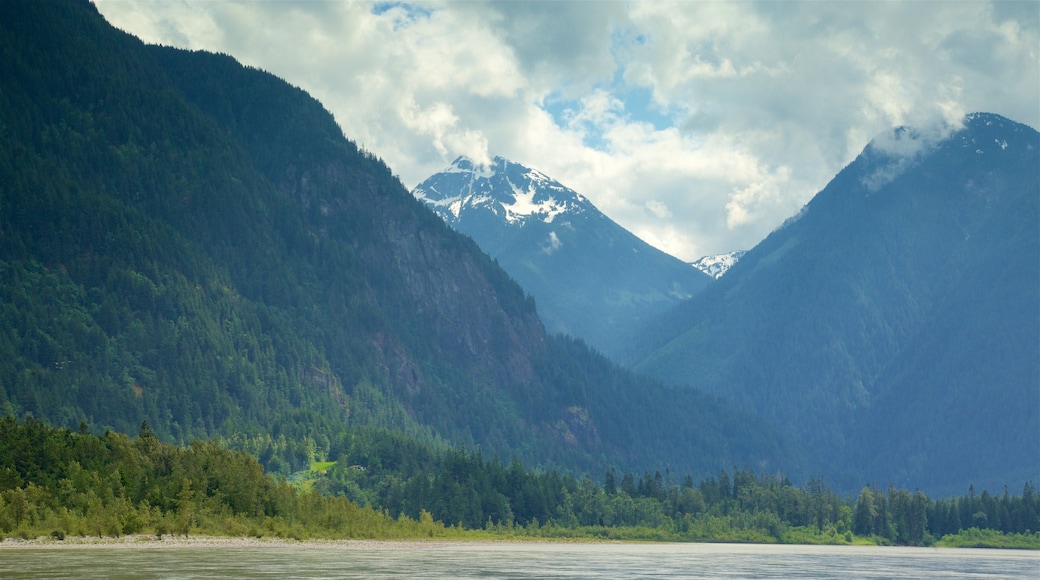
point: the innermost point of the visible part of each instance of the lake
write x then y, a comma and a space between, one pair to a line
463, 560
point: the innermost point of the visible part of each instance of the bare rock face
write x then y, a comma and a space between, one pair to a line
578, 428
445, 281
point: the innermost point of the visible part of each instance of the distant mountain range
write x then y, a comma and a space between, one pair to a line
716, 266
590, 277
894, 324
872, 315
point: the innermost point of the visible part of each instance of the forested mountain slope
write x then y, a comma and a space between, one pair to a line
192, 242
895, 322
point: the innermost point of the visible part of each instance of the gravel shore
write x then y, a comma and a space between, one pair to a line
149, 541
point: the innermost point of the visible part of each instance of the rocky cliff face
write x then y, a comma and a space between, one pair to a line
460, 306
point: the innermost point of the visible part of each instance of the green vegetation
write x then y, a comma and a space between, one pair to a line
457, 486
56, 482
321, 466
976, 538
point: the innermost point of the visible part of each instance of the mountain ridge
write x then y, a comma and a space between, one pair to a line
816, 326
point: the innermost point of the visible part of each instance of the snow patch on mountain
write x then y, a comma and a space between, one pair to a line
552, 244
525, 204
716, 266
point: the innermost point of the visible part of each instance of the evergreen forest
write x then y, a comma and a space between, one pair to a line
56, 482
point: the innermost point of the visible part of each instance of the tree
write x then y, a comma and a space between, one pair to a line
865, 514
95, 516
918, 517
185, 508
628, 485
609, 483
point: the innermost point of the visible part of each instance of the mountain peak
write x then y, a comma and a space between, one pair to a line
988, 131
982, 119
894, 152
468, 165
716, 266
506, 189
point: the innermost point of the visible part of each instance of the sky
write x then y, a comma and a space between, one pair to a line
698, 126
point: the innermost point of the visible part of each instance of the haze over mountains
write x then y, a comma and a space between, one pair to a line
894, 324
590, 277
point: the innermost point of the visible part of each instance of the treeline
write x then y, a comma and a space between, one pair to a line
463, 487
54, 481
905, 518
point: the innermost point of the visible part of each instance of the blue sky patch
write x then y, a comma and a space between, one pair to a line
412, 12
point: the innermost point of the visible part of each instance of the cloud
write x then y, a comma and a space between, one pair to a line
441, 124
658, 209
564, 47
898, 150
744, 109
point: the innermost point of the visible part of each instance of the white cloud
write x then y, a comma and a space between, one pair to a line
758, 105
747, 203
658, 209
441, 124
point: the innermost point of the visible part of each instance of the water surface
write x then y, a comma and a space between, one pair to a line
511, 560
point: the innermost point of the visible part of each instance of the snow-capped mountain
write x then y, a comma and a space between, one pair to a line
509, 190
716, 266
590, 277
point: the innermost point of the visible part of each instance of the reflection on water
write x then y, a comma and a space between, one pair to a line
513, 560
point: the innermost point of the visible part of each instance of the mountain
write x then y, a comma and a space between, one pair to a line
894, 324
590, 277
194, 243
716, 266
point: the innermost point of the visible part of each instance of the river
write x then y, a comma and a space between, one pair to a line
465, 560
